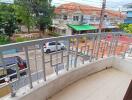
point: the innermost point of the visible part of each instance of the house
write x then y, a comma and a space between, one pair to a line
128, 11
78, 14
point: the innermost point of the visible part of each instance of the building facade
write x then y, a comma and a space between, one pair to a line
128, 10
75, 13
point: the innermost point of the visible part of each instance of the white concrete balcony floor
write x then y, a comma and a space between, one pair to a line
109, 84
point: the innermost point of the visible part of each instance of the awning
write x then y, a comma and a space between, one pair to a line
82, 27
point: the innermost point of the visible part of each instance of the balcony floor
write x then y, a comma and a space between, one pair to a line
109, 84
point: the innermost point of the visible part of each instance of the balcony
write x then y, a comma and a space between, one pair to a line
65, 22
92, 63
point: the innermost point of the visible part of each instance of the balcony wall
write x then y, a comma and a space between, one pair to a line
56, 84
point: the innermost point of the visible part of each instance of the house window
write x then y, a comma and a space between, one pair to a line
65, 17
75, 18
63, 31
82, 18
91, 18
97, 19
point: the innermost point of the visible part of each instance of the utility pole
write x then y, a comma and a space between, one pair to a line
102, 15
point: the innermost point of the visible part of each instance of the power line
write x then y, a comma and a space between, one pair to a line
102, 15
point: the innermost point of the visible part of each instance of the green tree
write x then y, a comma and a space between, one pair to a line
24, 13
126, 27
8, 23
122, 26
43, 11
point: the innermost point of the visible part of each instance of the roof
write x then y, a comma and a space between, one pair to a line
82, 27
86, 9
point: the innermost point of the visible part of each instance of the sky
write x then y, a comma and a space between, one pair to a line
111, 4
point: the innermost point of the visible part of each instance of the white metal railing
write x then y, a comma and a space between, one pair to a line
80, 48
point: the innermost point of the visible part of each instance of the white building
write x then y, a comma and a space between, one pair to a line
76, 14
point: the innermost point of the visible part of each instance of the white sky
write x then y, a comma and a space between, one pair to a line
111, 4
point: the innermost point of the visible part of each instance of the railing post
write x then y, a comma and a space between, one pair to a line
116, 45
68, 54
76, 52
28, 66
56, 67
36, 65
124, 54
98, 46
104, 46
43, 60
110, 47
92, 50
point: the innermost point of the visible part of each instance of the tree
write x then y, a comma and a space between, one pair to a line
24, 13
126, 27
8, 23
43, 12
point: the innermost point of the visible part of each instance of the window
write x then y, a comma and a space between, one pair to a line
52, 43
58, 44
65, 17
64, 31
91, 18
97, 19
75, 18
82, 18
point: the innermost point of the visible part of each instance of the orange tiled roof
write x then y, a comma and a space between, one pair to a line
86, 9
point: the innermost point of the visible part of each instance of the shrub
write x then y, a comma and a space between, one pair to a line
83, 39
20, 39
4, 39
54, 34
73, 40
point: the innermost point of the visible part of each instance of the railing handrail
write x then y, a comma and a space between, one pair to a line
38, 41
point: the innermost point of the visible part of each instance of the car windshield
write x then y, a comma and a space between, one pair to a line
54, 43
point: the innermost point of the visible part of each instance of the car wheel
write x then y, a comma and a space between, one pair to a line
63, 48
48, 51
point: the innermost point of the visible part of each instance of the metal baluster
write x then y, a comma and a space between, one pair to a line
56, 69
113, 44
93, 46
76, 52
86, 45
98, 46
110, 47
28, 66
87, 53
104, 46
116, 45
68, 55
124, 54
72, 51
18, 74
36, 66
43, 60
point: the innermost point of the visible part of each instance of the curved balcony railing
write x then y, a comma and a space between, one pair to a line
78, 50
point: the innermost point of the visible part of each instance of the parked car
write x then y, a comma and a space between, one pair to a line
11, 70
51, 46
